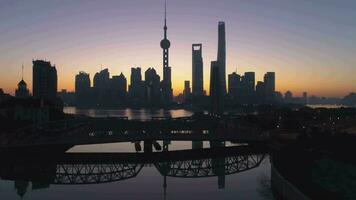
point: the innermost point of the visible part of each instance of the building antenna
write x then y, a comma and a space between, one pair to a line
165, 19
22, 72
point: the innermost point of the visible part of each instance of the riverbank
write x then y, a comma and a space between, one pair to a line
318, 168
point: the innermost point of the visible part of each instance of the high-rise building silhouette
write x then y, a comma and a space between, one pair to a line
234, 83
249, 81
136, 91
102, 81
119, 87
186, 92
242, 89
82, 88
82, 83
288, 97
222, 56
270, 86
278, 97
152, 87
167, 91
101, 87
248, 87
22, 91
197, 70
216, 95
260, 92
44, 80
106, 91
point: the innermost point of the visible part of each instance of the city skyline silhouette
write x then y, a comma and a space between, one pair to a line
311, 59
172, 99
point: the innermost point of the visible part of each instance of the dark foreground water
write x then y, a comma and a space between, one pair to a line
148, 183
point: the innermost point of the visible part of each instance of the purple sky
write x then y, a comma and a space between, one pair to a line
310, 45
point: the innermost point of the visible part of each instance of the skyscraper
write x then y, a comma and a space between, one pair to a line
82, 83
119, 86
222, 56
234, 81
136, 87
197, 69
216, 95
186, 91
44, 80
167, 91
269, 79
83, 91
260, 92
152, 86
102, 80
82, 88
288, 97
248, 87
270, 86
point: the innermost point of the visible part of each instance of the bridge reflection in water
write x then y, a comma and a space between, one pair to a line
95, 168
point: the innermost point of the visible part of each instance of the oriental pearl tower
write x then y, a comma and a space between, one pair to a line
167, 92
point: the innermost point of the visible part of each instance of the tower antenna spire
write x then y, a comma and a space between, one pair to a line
165, 12
165, 19
22, 72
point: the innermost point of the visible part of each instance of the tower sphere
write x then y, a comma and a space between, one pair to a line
165, 44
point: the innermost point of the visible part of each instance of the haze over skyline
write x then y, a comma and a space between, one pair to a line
309, 44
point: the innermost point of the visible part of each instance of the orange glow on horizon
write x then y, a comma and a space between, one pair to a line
178, 86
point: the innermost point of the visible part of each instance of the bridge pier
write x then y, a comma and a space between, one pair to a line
214, 144
147, 146
197, 144
166, 143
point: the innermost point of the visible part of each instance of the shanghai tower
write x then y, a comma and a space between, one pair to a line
222, 56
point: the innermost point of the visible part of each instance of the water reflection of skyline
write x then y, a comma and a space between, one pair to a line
142, 114
85, 169
149, 183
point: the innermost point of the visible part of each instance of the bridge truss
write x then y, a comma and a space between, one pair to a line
73, 174
209, 167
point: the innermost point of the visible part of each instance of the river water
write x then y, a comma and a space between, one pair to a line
142, 114
252, 183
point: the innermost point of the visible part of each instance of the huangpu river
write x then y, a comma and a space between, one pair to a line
192, 179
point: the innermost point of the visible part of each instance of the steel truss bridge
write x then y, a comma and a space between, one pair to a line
73, 169
209, 167
74, 174
82, 131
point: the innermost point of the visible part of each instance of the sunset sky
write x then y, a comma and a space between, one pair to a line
310, 44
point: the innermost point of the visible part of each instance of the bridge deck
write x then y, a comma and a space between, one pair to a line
144, 158
111, 130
